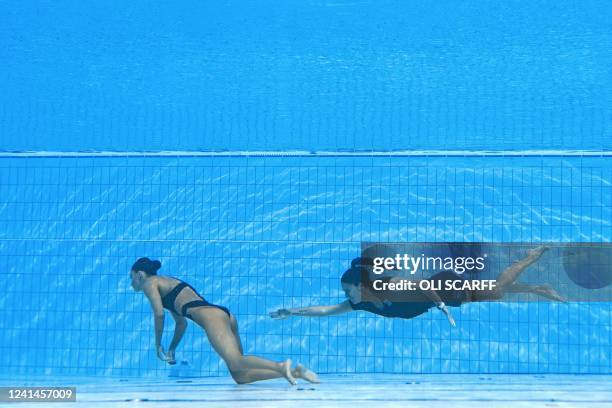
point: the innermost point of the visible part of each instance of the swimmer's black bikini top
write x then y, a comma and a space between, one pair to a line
170, 297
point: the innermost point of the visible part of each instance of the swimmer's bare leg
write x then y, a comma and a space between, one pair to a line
485, 295
234, 327
259, 374
545, 290
542, 290
244, 369
507, 278
511, 274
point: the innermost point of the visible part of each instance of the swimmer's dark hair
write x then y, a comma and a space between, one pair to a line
357, 274
147, 266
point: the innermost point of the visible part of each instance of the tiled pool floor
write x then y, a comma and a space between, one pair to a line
431, 391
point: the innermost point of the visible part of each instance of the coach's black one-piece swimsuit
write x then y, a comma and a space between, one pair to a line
168, 300
416, 302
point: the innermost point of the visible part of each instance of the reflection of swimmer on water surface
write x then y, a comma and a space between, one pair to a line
407, 304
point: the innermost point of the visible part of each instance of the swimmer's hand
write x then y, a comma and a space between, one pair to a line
280, 314
170, 355
448, 314
161, 354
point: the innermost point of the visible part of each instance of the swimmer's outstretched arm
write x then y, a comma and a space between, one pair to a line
179, 331
313, 311
152, 293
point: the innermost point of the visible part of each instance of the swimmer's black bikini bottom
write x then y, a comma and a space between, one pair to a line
197, 303
168, 301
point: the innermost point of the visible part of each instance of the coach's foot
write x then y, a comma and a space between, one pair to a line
548, 292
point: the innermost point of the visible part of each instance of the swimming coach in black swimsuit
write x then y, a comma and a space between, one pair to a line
220, 325
409, 304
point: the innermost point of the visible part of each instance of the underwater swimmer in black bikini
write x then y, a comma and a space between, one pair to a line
409, 304
220, 325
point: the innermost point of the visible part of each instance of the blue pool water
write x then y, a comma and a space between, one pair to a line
295, 74
256, 232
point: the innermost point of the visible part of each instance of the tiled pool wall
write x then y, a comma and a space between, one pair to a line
259, 233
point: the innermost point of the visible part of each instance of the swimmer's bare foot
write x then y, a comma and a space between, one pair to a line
287, 372
548, 292
308, 375
538, 251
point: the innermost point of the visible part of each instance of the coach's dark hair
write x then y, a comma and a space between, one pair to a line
358, 273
